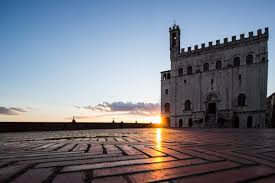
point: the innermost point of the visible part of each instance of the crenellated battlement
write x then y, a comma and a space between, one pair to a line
226, 42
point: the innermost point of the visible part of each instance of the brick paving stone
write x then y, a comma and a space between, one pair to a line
68, 158
67, 147
129, 155
43, 146
255, 159
233, 175
4, 163
269, 179
198, 154
129, 150
56, 146
221, 155
116, 179
162, 175
101, 140
74, 177
33, 155
112, 149
146, 167
80, 147
34, 175
68, 161
9, 171
96, 149
137, 160
149, 151
173, 153
120, 139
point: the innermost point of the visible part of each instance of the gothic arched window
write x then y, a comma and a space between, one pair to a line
168, 76
249, 59
166, 91
187, 105
241, 100
206, 67
164, 77
189, 70
218, 64
237, 61
180, 71
167, 107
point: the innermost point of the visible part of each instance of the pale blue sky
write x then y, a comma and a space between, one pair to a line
57, 54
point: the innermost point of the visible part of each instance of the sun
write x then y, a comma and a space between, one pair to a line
154, 119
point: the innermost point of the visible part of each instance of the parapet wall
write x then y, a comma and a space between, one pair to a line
34, 126
234, 41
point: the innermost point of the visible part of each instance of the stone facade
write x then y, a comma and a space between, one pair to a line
219, 85
270, 111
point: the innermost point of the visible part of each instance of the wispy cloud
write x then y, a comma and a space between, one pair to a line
127, 108
11, 110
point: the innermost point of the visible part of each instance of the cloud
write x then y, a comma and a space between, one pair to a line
11, 110
18, 109
129, 108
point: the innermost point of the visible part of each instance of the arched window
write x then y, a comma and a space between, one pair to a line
237, 61
180, 71
241, 100
189, 70
164, 77
249, 59
168, 76
187, 105
180, 123
166, 91
206, 67
218, 64
167, 107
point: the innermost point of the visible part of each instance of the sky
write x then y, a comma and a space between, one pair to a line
101, 60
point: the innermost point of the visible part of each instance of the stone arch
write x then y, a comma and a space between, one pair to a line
164, 77
211, 102
187, 105
180, 123
167, 107
206, 66
189, 70
180, 71
236, 61
249, 58
241, 99
218, 64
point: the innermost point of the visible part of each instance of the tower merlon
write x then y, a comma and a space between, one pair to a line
234, 41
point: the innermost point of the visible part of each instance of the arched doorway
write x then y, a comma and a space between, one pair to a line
211, 103
249, 122
166, 122
190, 123
180, 123
236, 122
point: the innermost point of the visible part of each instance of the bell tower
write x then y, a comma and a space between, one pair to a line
174, 40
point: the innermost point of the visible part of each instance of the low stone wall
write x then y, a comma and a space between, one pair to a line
46, 126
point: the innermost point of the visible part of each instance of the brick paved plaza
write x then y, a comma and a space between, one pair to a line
139, 155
